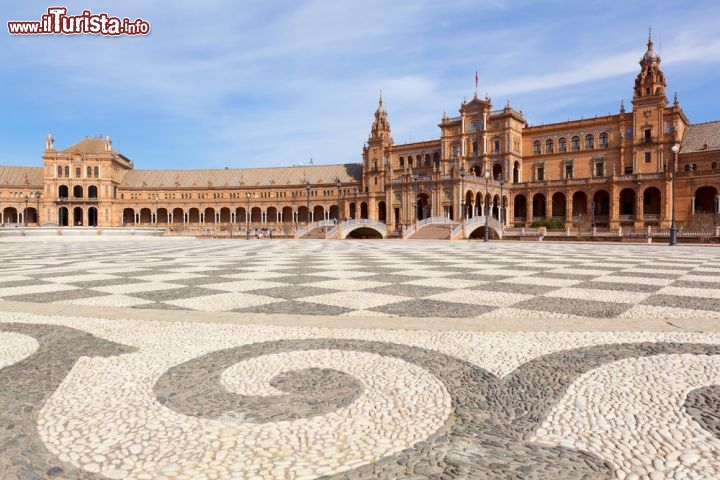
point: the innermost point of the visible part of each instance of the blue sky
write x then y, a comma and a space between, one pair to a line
241, 84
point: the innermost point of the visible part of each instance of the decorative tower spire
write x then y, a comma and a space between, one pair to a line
651, 80
381, 125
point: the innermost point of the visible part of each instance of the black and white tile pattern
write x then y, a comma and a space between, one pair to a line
420, 279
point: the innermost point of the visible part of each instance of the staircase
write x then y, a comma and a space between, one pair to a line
433, 232
315, 233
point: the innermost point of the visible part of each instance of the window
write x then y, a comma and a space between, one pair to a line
455, 150
648, 157
402, 162
409, 162
78, 172
496, 145
536, 147
540, 172
568, 169
59, 171
97, 172
713, 165
427, 159
67, 171
476, 125
687, 168
89, 172
475, 148
603, 140
648, 137
628, 170
576, 143
562, 145
589, 142
549, 146
599, 169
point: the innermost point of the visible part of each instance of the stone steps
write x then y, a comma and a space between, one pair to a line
433, 232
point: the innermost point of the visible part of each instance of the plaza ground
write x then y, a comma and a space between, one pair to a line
158, 358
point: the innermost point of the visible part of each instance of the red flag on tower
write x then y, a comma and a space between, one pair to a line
476, 82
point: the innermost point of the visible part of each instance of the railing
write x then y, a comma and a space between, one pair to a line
472, 223
410, 231
302, 231
349, 224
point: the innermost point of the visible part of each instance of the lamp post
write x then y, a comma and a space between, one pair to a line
415, 179
307, 190
673, 226
338, 184
462, 193
356, 191
592, 205
502, 204
25, 211
247, 216
37, 199
487, 180
59, 204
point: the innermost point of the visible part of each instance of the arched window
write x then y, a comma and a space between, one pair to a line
713, 165
687, 168
576, 143
562, 145
59, 171
536, 147
410, 162
603, 140
476, 125
549, 146
589, 142
427, 159
402, 162
455, 150
436, 158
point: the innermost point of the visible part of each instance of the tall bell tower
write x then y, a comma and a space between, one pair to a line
375, 152
652, 127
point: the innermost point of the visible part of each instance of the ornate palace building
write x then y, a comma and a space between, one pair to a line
611, 172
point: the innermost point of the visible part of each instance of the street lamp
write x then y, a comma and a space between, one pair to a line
37, 198
25, 212
247, 216
338, 184
502, 204
307, 190
462, 193
356, 191
487, 180
61, 220
592, 205
673, 227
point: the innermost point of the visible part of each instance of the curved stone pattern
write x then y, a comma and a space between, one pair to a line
492, 419
703, 405
15, 347
27, 384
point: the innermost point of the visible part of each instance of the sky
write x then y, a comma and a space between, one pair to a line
222, 83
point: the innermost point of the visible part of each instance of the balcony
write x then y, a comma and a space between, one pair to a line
76, 200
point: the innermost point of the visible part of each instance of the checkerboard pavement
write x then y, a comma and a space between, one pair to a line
389, 278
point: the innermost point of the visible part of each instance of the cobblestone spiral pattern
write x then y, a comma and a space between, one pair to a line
492, 421
703, 405
25, 386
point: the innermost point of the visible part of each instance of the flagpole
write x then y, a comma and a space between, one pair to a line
476, 83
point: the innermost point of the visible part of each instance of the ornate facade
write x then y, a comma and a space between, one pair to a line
611, 171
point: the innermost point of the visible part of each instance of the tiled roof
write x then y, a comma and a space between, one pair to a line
701, 137
245, 177
93, 146
21, 176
